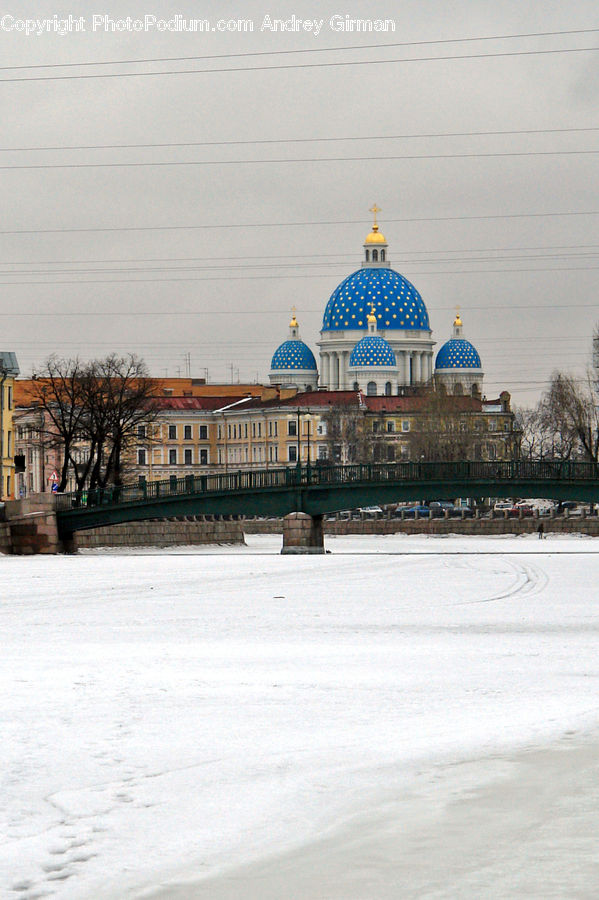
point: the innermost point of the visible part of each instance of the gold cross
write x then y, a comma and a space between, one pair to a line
374, 210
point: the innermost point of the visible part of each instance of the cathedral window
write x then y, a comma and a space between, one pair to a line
371, 389
368, 256
382, 256
375, 255
388, 389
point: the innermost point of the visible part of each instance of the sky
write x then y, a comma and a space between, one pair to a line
260, 199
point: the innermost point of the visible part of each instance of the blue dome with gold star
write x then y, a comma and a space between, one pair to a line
397, 303
293, 355
372, 350
457, 353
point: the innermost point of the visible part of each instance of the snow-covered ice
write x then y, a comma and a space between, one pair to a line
173, 715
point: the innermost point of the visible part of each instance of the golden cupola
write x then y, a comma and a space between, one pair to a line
375, 245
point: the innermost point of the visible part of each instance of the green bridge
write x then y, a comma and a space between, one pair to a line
316, 490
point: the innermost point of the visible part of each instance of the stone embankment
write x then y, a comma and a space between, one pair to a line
29, 527
482, 526
183, 530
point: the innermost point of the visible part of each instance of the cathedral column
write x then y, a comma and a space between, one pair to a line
417, 367
406, 366
326, 369
343, 374
335, 378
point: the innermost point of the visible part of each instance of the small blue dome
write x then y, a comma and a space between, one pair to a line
372, 350
457, 353
293, 355
397, 303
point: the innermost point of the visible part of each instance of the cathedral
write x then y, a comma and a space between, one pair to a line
376, 338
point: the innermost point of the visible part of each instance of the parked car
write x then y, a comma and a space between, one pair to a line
459, 512
439, 507
521, 509
503, 505
423, 512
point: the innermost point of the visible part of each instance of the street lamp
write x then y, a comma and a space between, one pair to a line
308, 419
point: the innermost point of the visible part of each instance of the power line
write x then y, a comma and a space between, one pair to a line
307, 159
294, 265
378, 137
118, 62
290, 255
311, 224
314, 65
269, 312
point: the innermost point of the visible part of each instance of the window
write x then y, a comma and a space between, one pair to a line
405, 424
253, 429
323, 451
187, 432
292, 427
492, 425
141, 431
172, 432
270, 429
375, 425
368, 256
390, 426
188, 457
382, 256
259, 429
375, 255
458, 389
276, 429
9, 392
142, 458
245, 429
172, 457
506, 426
371, 389
229, 431
388, 389
321, 428
204, 432
492, 451
292, 453
219, 433
203, 457
276, 454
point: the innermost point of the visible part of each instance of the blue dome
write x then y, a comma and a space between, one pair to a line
396, 301
457, 353
293, 355
372, 350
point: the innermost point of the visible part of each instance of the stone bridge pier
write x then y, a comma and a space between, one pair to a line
32, 527
302, 533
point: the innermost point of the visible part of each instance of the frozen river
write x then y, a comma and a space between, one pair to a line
403, 717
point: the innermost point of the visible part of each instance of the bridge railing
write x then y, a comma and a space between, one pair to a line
423, 471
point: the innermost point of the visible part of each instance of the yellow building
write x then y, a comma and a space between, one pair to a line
9, 370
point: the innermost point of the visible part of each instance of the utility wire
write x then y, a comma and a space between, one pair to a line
314, 159
321, 140
312, 224
400, 256
315, 65
119, 62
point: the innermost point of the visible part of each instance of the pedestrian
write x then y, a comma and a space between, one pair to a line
541, 531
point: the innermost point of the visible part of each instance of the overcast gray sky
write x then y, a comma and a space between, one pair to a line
209, 259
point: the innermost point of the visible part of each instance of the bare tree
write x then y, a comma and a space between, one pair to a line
346, 434
120, 396
537, 440
94, 411
56, 390
441, 429
570, 414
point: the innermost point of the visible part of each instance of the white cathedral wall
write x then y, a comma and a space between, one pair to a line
414, 357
